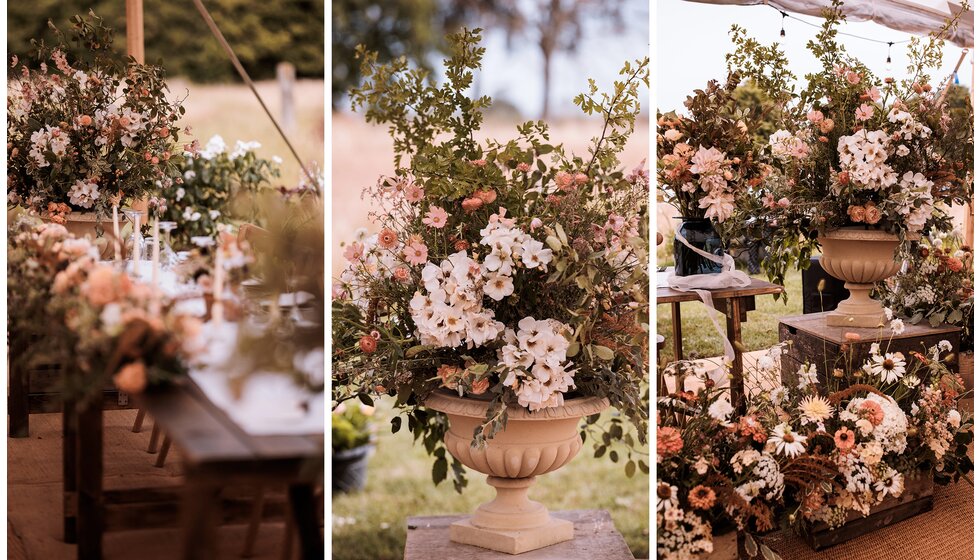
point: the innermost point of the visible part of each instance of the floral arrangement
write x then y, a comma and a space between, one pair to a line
936, 285
90, 132
91, 319
507, 271
217, 187
854, 150
813, 452
707, 160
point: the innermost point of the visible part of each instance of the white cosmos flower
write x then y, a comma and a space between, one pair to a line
787, 441
498, 286
897, 326
721, 410
535, 255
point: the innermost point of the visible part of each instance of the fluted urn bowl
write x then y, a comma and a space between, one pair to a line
532, 444
860, 258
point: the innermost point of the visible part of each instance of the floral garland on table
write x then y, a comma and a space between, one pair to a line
854, 149
708, 161
508, 271
218, 184
936, 285
90, 131
91, 319
806, 453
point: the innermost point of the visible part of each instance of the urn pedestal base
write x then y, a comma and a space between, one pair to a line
859, 310
511, 522
512, 542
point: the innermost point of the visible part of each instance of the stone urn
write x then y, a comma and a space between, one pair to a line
86, 224
532, 444
860, 258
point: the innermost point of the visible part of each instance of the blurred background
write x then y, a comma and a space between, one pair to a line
540, 54
264, 34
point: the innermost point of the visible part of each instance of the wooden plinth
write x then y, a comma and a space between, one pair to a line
595, 537
815, 342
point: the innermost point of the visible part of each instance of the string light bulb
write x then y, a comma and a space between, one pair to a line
888, 61
782, 26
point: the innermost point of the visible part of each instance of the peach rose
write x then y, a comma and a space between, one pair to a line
105, 286
131, 378
856, 213
368, 344
449, 375
472, 204
487, 196
954, 264
872, 214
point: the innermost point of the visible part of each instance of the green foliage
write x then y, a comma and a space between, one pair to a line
216, 188
350, 427
262, 33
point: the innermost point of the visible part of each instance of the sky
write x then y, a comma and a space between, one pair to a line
685, 64
516, 74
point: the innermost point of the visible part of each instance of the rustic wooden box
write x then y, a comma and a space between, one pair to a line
917, 498
813, 341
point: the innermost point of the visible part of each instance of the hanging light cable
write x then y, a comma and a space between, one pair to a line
782, 26
888, 61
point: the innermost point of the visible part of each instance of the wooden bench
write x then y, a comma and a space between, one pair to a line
216, 453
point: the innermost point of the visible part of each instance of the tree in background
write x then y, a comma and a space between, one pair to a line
413, 28
261, 32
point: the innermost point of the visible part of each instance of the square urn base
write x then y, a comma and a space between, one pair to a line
512, 542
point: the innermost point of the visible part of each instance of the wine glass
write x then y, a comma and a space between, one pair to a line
136, 242
168, 258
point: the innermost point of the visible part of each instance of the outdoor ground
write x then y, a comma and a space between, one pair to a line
370, 525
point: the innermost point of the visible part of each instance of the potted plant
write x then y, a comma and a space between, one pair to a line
504, 297
862, 163
87, 130
707, 163
351, 437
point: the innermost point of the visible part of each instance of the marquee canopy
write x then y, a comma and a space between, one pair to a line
918, 17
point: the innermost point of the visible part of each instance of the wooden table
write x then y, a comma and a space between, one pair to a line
215, 453
595, 537
735, 303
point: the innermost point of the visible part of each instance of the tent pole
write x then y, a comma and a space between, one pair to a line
134, 30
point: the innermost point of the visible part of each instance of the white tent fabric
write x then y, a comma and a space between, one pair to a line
919, 17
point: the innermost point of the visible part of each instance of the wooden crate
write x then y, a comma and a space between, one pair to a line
917, 498
814, 342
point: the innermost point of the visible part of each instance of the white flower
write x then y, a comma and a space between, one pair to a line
215, 146
807, 376
111, 318
954, 418
891, 483
213, 214
890, 367
498, 286
701, 465
721, 410
242, 148
83, 193
897, 326
666, 497
787, 441
181, 192
778, 395
888, 313
535, 255
815, 409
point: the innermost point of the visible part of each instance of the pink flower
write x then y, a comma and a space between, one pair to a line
104, 286
581, 178
354, 252
768, 201
338, 291
814, 116
413, 193
564, 180
536, 223
401, 274
853, 78
478, 162
864, 112
783, 202
523, 167
436, 217
486, 195
873, 93
131, 378
416, 253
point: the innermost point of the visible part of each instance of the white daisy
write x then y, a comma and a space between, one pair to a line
890, 367
787, 441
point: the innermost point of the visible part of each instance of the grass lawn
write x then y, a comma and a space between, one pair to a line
370, 525
701, 340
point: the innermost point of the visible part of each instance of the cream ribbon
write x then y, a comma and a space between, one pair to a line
700, 284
